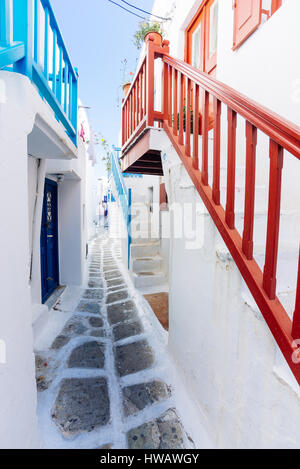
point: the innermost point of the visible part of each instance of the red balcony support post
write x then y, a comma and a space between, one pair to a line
175, 101
123, 124
196, 129
150, 81
140, 95
181, 108
231, 164
165, 97
205, 119
170, 82
251, 142
188, 119
145, 88
217, 150
276, 165
296, 319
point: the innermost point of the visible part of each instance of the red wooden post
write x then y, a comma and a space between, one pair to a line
141, 95
188, 119
165, 98
251, 142
196, 129
127, 120
145, 88
296, 319
276, 165
205, 118
170, 81
181, 108
231, 162
134, 106
129, 116
137, 91
217, 147
175, 101
150, 82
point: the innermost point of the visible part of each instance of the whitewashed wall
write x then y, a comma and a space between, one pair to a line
27, 127
243, 394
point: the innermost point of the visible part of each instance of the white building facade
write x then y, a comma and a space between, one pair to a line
47, 166
243, 394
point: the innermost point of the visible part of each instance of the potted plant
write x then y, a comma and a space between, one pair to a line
145, 29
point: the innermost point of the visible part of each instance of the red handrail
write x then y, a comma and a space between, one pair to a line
186, 94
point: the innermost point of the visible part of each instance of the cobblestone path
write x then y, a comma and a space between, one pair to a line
103, 382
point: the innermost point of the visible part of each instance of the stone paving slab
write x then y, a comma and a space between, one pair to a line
120, 312
96, 322
60, 342
125, 330
115, 282
73, 327
110, 267
93, 294
162, 433
139, 396
112, 275
95, 283
131, 358
116, 296
88, 307
82, 405
87, 355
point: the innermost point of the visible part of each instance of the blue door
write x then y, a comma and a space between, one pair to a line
49, 241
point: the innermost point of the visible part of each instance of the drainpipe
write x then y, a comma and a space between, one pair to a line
37, 211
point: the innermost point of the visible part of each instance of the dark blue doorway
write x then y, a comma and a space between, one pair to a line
49, 241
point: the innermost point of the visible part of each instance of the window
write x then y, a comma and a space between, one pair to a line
196, 47
248, 17
202, 37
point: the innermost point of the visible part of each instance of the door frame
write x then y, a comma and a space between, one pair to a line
54, 185
208, 64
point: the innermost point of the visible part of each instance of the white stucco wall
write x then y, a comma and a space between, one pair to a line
243, 393
29, 133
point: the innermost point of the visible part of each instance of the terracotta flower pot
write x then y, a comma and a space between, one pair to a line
156, 36
126, 88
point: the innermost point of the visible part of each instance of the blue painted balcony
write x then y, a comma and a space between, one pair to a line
31, 44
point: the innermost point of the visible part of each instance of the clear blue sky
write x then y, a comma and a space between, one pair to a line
98, 36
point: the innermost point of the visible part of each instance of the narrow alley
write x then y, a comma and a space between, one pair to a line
103, 381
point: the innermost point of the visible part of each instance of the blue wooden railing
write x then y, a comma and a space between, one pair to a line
31, 44
124, 196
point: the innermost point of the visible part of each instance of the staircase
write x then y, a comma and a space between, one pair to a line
247, 215
144, 260
146, 266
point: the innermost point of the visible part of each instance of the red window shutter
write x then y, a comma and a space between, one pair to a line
247, 18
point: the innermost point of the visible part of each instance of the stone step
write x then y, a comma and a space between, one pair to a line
148, 279
149, 249
146, 264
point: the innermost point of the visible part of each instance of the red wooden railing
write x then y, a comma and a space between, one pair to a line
184, 88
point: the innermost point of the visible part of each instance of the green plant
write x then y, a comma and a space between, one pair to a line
184, 120
107, 152
145, 28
